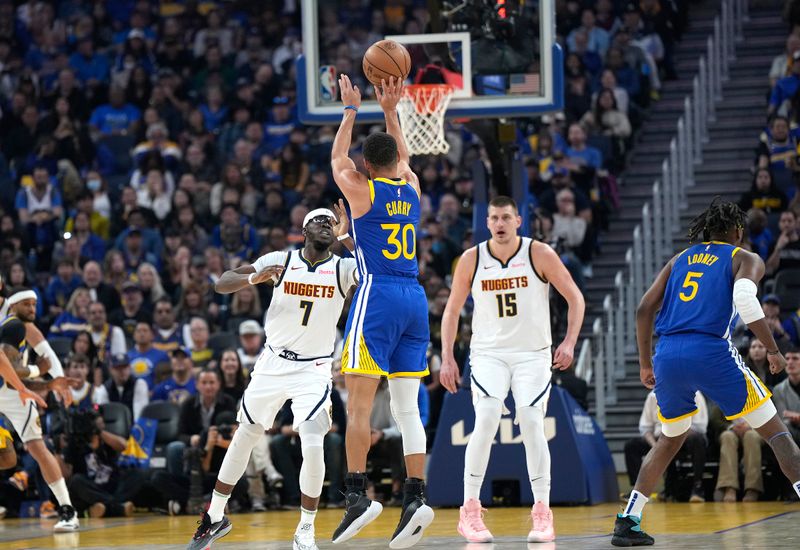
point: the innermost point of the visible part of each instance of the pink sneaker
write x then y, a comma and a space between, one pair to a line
470, 522
542, 530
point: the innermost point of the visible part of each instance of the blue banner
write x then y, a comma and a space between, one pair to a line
140, 445
582, 470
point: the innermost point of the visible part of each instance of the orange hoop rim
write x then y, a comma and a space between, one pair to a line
419, 93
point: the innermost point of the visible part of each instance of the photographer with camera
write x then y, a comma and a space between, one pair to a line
89, 462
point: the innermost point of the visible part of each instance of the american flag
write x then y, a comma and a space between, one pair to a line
523, 84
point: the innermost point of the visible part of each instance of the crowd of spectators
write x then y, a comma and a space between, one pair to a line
147, 147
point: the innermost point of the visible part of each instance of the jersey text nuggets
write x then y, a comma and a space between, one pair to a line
490, 285
705, 259
398, 208
310, 291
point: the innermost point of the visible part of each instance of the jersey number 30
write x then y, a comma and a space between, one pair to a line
692, 285
408, 246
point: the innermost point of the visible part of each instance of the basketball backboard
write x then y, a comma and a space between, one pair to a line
500, 56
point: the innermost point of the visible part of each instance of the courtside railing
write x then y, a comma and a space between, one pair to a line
602, 356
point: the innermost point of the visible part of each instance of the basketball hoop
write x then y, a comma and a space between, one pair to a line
421, 111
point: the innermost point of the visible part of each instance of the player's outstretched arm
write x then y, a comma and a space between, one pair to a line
236, 279
645, 319
462, 281
342, 227
349, 180
748, 271
554, 271
389, 95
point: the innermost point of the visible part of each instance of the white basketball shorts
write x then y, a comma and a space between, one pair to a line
307, 383
24, 418
526, 373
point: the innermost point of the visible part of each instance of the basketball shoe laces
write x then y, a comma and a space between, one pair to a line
540, 520
475, 520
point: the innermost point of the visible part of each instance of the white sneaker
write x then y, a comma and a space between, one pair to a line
68, 520
304, 538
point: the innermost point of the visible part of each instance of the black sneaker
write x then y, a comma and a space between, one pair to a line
209, 532
359, 510
627, 532
415, 517
67, 519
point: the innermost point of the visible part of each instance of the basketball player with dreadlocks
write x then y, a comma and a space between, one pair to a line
697, 297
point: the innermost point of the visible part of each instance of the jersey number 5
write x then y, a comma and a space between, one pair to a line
306, 305
408, 248
692, 285
506, 305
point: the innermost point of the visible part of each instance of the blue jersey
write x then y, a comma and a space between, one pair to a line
386, 236
699, 293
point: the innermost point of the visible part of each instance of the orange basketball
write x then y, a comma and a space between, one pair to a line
384, 59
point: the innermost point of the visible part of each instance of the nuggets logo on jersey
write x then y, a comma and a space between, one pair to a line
511, 302
308, 290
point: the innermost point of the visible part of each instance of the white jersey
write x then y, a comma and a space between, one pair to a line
512, 302
306, 303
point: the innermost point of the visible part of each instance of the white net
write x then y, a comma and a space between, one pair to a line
422, 110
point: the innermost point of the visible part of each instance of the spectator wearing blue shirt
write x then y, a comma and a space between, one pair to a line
234, 236
90, 67
597, 38
92, 246
146, 361
760, 237
61, 287
115, 117
279, 126
151, 239
786, 88
627, 77
583, 161
215, 113
181, 384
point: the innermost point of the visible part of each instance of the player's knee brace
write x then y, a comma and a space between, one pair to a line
235, 462
677, 428
761, 415
405, 410
312, 472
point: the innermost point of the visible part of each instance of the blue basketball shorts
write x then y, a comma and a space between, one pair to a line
686, 363
387, 331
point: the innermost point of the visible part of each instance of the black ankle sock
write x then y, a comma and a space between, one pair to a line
355, 483
414, 488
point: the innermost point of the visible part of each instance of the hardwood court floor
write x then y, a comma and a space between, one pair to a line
697, 526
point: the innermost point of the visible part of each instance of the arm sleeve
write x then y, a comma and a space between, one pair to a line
273, 258
118, 344
140, 398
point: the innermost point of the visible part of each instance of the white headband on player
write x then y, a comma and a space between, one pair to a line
318, 212
20, 296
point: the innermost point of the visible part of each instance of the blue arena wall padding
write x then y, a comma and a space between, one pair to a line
582, 469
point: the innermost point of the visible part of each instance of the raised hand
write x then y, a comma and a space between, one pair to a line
389, 93
350, 94
343, 225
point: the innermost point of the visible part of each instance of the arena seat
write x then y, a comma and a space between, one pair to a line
117, 418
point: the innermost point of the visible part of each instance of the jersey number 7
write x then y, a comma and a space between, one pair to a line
306, 305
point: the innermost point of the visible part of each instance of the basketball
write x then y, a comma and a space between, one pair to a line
384, 59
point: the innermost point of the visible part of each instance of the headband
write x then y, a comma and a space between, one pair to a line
318, 212
20, 296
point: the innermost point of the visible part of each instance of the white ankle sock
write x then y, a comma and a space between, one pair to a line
217, 507
635, 504
306, 517
59, 489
